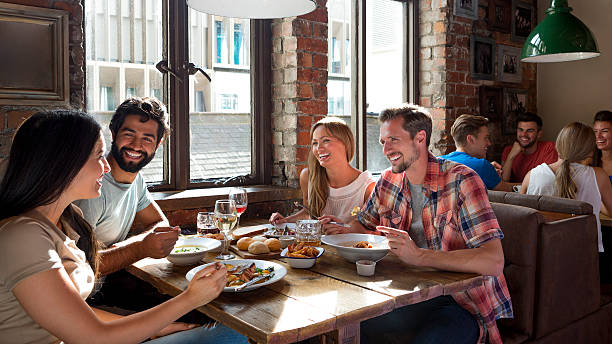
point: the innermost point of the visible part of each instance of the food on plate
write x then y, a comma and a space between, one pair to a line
273, 244
216, 236
259, 238
243, 243
258, 247
240, 274
248, 232
187, 249
302, 251
363, 244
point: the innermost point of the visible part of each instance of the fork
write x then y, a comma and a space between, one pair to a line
254, 280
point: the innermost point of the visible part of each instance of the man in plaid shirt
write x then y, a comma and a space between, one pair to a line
436, 214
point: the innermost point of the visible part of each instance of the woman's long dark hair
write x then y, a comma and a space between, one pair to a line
48, 151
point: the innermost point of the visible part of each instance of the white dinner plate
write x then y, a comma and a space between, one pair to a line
271, 233
279, 272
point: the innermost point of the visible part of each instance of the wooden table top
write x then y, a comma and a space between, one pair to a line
329, 297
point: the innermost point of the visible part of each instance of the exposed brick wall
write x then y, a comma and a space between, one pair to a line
11, 116
446, 86
299, 89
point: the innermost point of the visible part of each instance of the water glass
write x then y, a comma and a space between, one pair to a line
308, 232
206, 223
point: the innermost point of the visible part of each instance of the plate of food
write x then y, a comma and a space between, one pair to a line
241, 271
354, 247
282, 230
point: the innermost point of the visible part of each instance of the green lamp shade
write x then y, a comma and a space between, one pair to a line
559, 37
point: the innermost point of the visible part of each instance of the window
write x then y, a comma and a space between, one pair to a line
384, 46
213, 134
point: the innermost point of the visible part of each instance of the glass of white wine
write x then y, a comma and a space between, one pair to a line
225, 217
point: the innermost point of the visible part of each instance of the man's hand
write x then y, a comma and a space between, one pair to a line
402, 245
498, 168
159, 242
516, 150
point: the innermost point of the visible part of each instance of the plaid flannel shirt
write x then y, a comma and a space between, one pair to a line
456, 215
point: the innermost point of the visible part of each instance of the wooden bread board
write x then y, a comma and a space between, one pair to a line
248, 255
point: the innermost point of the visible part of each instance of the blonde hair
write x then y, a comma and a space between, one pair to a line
575, 143
318, 185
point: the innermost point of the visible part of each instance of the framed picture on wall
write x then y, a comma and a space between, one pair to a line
466, 8
482, 53
515, 102
500, 15
509, 68
522, 20
491, 102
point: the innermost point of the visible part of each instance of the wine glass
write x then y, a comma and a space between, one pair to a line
225, 217
239, 195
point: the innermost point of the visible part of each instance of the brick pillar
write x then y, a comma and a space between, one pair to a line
299, 89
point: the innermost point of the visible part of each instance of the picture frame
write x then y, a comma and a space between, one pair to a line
515, 102
466, 8
500, 15
522, 20
509, 66
491, 102
35, 71
482, 57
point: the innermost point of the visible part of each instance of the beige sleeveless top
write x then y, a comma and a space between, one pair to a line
341, 201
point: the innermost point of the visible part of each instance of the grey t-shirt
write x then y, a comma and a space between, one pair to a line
111, 215
417, 233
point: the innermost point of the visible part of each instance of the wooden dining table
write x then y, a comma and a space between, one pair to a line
328, 300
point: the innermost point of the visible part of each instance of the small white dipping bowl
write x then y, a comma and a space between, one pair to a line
183, 254
344, 242
365, 267
301, 263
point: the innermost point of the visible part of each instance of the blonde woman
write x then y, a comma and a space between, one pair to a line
571, 176
330, 186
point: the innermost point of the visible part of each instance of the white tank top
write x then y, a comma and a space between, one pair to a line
542, 182
341, 201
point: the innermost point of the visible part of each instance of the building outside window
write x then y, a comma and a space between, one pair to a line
124, 42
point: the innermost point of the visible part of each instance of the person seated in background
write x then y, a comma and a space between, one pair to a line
331, 187
602, 125
471, 136
56, 158
571, 176
436, 214
527, 151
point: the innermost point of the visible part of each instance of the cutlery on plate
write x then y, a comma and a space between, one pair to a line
255, 280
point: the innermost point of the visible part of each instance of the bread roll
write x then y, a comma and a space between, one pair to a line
243, 243
258, 247
273, 244
259, 238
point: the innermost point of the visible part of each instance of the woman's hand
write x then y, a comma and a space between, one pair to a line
174, 327
207, 284
332, 228
277, 219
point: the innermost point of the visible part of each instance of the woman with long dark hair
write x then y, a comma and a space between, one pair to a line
330, 186
57, 157
602, 126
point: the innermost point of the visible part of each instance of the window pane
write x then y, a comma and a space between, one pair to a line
110, 81
384, 59
220, 117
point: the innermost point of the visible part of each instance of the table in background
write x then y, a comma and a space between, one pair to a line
329, 298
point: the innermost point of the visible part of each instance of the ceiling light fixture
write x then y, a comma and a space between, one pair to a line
253, 9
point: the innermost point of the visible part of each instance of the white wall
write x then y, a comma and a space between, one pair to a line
574, 91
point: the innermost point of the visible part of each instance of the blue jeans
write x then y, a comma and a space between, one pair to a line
219, 334
435, 321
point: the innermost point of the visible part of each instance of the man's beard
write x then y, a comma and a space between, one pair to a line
531, 143
406, 164
129, 166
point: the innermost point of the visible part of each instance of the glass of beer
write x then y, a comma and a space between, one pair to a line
206, 223
308, 232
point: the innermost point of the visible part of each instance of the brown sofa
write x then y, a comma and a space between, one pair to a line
552, 270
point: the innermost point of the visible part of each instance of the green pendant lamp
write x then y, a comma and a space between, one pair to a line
559, 37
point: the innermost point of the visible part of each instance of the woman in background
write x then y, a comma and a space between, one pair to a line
571, 176
331, 187
57, 157
602, 126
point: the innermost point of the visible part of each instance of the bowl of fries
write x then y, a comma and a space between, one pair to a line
300, 256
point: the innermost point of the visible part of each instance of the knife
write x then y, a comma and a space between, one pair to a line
254, 280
